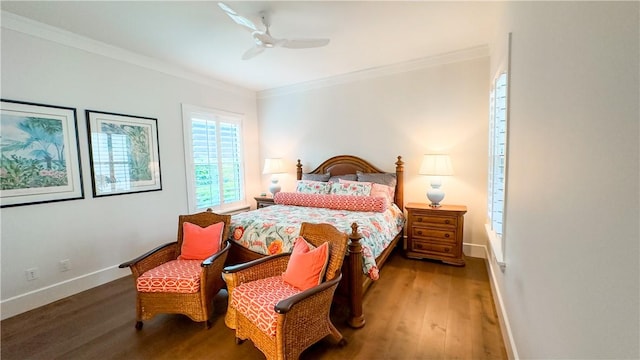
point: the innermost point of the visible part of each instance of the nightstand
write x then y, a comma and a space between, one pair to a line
435, 233
263, 201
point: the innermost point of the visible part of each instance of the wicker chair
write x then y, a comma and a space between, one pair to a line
299, 320
196, 305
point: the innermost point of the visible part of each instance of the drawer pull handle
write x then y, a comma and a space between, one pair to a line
446, 249
419, 232
419, 219
447, 221
446, 235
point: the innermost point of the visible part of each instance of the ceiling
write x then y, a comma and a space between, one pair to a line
199, 37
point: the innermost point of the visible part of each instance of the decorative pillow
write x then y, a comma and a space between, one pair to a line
384, 191
200, 243
306, 267
388, 179
313, 187
345, 187
316, 177
336, 202
349, 177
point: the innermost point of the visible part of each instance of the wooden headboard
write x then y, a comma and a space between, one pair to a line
348, 164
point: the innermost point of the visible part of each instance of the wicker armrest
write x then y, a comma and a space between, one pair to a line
151, 259
283, 306
211, 259
212, 268
258, 269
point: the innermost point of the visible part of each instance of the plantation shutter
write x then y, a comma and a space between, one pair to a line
216, 158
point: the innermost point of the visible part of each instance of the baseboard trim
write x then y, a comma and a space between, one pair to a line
507, 335
474, 250
46, 295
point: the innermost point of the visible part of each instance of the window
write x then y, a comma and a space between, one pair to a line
497, 153
213, 157
497, 181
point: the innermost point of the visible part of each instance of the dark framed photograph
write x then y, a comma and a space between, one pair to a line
125, 155
40, 157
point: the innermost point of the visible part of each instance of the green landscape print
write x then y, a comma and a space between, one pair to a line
33, 153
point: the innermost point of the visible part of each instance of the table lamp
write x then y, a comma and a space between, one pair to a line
273, 167
436, 166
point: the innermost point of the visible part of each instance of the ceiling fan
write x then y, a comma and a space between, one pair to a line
263, 38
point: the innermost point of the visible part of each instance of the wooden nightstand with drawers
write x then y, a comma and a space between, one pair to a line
435, 233
263, 201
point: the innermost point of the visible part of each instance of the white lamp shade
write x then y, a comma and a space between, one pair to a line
273, 166
436, 164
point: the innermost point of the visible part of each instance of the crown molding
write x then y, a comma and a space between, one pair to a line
37, 29
34, 28
411, 65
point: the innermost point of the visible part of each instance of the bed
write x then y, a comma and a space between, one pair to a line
270, 230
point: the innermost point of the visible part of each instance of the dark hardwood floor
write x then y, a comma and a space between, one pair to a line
419, 309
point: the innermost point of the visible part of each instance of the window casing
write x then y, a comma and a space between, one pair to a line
497, 181
214, 159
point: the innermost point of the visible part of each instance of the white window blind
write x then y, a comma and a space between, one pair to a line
497, 182
213, 154
497, 153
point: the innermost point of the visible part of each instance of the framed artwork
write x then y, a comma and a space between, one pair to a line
125, 156
40, 157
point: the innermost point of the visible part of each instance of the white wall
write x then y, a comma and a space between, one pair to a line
571, 284
441, 106
97, 234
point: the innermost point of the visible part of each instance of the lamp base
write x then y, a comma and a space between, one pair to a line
274, 188
435, 195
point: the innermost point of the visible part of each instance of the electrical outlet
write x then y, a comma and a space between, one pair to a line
65, 265
32, 273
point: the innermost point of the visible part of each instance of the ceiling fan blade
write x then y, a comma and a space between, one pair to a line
240, 20
256, 50
303, 43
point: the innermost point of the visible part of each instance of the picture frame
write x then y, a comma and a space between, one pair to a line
124, 153
39, 154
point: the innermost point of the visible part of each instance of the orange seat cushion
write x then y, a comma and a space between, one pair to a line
175, 276
256, 301
199, 243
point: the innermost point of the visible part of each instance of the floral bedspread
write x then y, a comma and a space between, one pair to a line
273, 229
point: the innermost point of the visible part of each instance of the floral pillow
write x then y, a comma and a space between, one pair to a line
345, 187
313, 187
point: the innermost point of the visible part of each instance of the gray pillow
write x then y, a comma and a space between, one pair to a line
388, 179
348, 177
316, 177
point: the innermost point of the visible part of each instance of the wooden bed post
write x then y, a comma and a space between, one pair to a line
356, 318
299, 170
400, 183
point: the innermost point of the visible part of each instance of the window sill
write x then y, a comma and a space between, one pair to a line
495, 247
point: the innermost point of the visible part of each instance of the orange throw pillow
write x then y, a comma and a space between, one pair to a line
199, 243
306, 266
